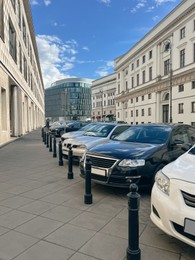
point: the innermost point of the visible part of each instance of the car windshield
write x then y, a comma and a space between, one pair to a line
145, 134
100, 130
87, 127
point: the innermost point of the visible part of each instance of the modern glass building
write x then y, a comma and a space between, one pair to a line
69, 99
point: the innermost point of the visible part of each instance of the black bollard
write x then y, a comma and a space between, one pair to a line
50, 143
54, 147
43, 136
133, 251
60, 154
70, 172
47, 140
42, 132
88, 198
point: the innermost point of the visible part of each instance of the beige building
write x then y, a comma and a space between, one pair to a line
103, 95
21, 84
156, 78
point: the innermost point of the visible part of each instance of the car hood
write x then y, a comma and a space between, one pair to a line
183, 168
73, 134
78, 140
125, 150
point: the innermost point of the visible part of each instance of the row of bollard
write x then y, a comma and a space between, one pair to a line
133, 251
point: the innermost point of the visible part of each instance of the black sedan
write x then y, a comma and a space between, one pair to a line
137, 154
60, 129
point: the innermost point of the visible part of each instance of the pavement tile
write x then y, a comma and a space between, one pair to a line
105, 247
79, 256
37, 207
91, 220
14, 218
39, 227
14, 243
15, 202
45, 251
62, 213
70, 236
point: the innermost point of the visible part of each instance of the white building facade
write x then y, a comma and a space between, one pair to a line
155, 80
103, 98
21, 84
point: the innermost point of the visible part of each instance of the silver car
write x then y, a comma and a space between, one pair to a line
100, 133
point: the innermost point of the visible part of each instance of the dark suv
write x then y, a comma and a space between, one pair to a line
138, 153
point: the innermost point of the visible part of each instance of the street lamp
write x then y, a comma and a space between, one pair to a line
168, 47
101, 92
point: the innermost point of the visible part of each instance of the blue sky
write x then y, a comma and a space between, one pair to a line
81, 38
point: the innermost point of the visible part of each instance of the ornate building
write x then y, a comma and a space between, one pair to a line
21, 84
156, 77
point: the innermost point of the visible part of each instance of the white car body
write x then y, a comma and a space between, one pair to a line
80, 144
173, 198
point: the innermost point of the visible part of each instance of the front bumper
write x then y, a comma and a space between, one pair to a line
169, 213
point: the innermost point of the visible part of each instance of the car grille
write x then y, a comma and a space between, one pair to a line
102, 161
189, 199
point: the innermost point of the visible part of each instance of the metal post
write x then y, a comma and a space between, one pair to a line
50, 143
60, 154
88, 198
42, 131
54, 147
70, 172
133, 251
47, 140
43, 136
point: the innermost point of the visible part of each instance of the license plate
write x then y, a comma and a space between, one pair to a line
98, 171
189, 226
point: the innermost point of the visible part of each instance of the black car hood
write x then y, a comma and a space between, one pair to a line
122, 150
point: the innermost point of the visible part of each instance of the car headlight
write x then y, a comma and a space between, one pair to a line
82, 146
162, 182
132, 163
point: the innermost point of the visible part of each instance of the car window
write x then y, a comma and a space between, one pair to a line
191, 131
145, 134
119, 129
180, 136
100, 130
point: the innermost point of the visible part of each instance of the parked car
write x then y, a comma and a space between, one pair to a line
79, 132
137, 154
100, 133
60, 129
173, 198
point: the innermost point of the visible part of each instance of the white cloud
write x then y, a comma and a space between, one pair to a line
159, 2
106, 69
107, 2
140, 4
34, 2
85, 48
155, 18
47, 2
55, 57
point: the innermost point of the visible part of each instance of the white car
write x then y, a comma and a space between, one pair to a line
101, 133
173, 198
81, 131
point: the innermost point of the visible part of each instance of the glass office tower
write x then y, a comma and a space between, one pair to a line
69, 99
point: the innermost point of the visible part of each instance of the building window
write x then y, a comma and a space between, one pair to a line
24, 30
131, 100
150, 73
194, 52
193, 107
1, 20
149, 111
119, 88
118, 75
136, 112
194, 25
143, 76
182, 58
193, 84
20, 57
137, 79
132, 66
142, 98
182, 33
136, 99
12, 41
25, 68
166, 67
3, 109
150, 54
142, 112
137, 63
131, 113
126, 85
143, 59
149, 96
180, 108
181, 88
14, 4
132, 82
19, 14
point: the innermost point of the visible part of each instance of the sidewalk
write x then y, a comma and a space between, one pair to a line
43, 215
